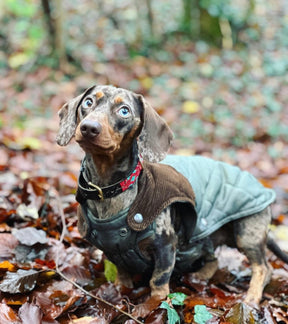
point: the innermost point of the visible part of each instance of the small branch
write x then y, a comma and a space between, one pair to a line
71, 281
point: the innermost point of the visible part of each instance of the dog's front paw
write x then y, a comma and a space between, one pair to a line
252, 301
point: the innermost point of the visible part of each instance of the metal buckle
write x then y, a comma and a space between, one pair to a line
100, 192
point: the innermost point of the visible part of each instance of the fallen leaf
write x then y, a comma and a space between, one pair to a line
157, 316
172, 314
201, 314
20, 281
30, 236
27, 211
110, 270
26, 253
30, 313
7, 315
7, 245
240, 313
143, 309
58, 298
177, 298
7, 266
89, 320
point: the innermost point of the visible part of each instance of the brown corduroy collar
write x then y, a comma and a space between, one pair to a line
159, 186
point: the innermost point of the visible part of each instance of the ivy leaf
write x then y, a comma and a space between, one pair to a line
177, 299
110, 270
173, 316
20, 281
201, 314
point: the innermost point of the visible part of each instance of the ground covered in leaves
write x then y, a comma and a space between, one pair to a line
231, 105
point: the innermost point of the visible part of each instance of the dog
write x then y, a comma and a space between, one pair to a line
155, 214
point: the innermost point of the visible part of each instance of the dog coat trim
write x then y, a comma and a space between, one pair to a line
160, 186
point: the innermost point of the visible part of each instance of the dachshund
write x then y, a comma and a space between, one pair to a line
155, 214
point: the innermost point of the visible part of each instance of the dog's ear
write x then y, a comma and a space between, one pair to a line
155, 137
68, 119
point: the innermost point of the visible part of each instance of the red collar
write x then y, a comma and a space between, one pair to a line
88, 190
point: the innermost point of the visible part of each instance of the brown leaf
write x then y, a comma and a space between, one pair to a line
15, 299
240, 313
157, 316
20, 281
109, 293
143, 309
77, 273
280, 315
7, 244
59, 297
89, 320
7, 315
30, 313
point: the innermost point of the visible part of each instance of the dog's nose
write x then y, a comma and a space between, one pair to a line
90, 128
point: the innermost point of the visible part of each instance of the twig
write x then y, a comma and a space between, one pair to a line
71, 281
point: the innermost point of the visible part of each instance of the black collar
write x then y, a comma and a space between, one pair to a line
88, 190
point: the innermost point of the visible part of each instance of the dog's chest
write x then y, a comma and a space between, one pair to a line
113, 206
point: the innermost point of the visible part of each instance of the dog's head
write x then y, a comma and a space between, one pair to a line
106, 120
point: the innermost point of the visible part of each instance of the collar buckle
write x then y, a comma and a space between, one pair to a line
100, 192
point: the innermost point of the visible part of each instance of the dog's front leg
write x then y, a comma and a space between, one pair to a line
162, 249
164, 254
164, 265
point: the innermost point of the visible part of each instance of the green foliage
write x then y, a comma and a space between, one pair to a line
173, 316
176, 299
21, 8
201, 314
110, 270
24, 30
227, 9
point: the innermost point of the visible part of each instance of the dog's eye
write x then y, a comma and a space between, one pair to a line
124, 112
87, 103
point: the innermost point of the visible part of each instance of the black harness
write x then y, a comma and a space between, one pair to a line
120, 242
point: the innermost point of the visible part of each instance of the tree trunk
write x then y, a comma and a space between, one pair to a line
53, 15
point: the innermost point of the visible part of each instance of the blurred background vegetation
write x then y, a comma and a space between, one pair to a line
216, 70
